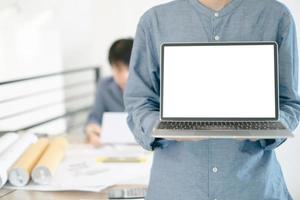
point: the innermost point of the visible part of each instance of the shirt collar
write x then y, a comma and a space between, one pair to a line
230, 7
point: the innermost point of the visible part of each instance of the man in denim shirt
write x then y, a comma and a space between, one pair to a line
221, 169
109, 92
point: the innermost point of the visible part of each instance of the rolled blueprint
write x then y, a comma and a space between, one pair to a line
47, 165
6, 140
19, 174
12, 153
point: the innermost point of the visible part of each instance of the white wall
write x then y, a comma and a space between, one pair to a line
29, 45
90, 27
115, 19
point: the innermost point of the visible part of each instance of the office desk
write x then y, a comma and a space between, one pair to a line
72, 195
6, 194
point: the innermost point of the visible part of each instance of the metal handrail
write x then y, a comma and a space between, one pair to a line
96, 71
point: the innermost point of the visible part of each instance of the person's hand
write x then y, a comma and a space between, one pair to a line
92, 132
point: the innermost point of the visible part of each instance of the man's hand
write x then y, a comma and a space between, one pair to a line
93, 132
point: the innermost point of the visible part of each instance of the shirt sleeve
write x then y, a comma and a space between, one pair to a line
141, 96
288, 79
98, 108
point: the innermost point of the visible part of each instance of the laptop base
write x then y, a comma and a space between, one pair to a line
221, 134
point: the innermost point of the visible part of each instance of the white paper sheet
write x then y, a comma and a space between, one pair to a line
80, 168
115, 128
6, 140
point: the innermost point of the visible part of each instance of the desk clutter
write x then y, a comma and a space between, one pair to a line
52, 164
27, 157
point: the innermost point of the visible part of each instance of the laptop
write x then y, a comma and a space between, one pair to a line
219, 90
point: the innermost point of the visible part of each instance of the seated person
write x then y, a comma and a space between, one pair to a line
109, 95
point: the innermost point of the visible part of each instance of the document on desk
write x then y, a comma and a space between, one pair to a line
115, 128
80, 170
6, 140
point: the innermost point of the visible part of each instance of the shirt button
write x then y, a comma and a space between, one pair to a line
217, 37
216, 14
215, 170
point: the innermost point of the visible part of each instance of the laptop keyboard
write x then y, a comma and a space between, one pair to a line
221, 125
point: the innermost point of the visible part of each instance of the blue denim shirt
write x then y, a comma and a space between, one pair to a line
221, 169
109, 98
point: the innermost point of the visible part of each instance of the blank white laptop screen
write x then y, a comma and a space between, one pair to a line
219, 81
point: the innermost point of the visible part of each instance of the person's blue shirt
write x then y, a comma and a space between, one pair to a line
109, 98
221, 169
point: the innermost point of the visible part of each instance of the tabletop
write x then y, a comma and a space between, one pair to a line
8, 194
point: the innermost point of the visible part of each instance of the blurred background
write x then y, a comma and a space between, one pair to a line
52, 52
40, 37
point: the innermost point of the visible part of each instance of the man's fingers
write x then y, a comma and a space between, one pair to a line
93, 128
97, 129
95, 141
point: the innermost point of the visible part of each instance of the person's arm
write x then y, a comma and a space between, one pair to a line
98, 108
93, 124
288, 79
141, 95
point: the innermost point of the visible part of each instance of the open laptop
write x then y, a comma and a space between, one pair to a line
220, 90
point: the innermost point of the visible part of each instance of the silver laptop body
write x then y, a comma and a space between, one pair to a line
219, 90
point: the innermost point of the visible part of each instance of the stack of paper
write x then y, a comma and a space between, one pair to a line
115, 129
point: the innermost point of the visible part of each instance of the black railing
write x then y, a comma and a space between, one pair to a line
80, 96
